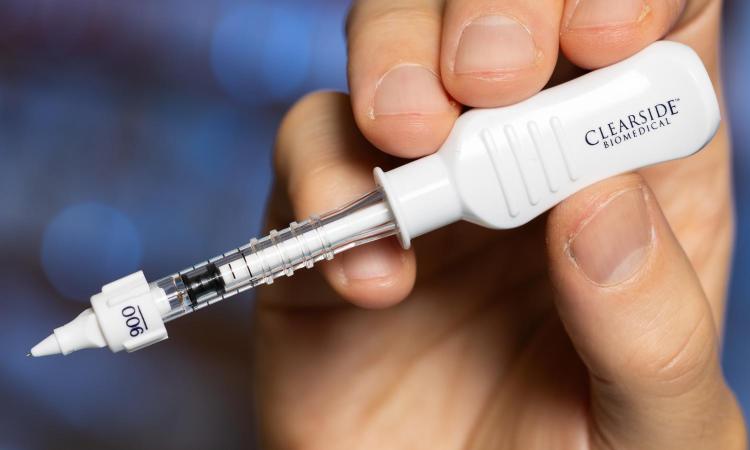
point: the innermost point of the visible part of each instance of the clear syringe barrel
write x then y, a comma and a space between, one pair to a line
279, 253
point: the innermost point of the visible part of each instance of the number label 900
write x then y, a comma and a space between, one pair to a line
136, 323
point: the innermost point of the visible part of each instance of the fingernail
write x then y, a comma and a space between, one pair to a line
494, 44
598, 13
372, 261
614, 243
409, 89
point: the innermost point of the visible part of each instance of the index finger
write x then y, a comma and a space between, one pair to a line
322, 163
398, 99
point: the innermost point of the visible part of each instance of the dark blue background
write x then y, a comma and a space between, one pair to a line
138, 135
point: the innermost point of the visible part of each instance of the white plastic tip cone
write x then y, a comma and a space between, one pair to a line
49, 346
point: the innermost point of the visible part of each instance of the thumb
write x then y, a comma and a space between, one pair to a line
638, 317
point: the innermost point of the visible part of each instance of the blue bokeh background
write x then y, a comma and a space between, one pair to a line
138, 135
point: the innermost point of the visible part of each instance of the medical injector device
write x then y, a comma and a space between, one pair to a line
498, 168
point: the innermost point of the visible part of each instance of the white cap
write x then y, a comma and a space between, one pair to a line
81, 332
126, 315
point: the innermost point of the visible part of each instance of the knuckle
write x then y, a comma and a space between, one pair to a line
321, 181
300, 123
308, 107
384, 20
675, 365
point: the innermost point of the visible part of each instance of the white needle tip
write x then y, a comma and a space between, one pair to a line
49, 346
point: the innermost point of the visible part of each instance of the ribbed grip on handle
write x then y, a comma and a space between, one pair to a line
503, 167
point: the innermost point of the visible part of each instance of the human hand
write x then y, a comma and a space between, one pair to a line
595, 327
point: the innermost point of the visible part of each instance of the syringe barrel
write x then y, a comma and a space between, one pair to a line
279, 253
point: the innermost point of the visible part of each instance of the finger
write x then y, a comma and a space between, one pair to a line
498, 53
323, 162
597, 33
637, 315
398, 99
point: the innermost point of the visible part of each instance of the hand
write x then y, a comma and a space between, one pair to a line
596, 326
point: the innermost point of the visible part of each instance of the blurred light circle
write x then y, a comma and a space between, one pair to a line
88, 245
262, 52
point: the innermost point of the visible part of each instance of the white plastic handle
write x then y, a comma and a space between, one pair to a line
503, 167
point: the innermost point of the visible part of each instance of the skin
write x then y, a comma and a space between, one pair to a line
495, 339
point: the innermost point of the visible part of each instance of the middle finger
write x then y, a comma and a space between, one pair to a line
398, 99
496, 53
